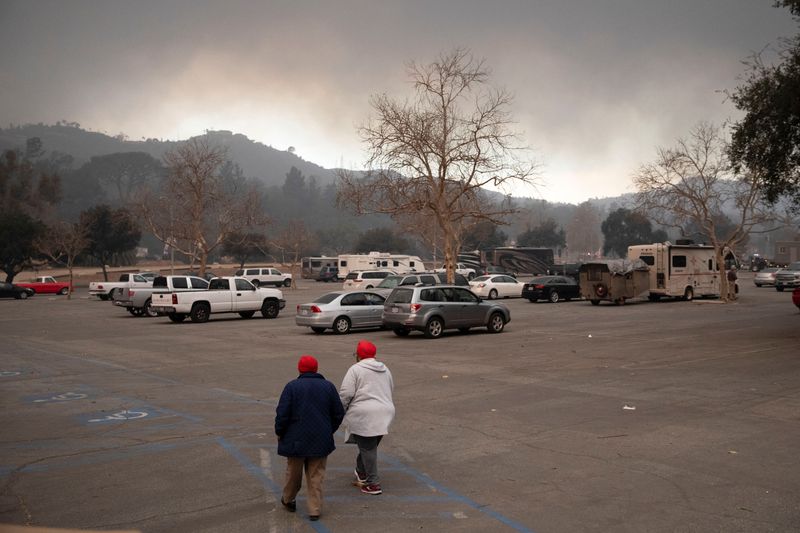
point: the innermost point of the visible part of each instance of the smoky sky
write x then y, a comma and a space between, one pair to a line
597, 84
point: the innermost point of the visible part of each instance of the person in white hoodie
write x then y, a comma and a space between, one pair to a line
366, 395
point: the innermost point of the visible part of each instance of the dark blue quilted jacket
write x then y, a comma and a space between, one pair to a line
308, 414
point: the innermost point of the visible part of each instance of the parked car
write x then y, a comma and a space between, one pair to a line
552, 288
796, 296
364, 279
47, 285
462, 269
386, 286
105, 289
765, 276
139, 301
10, 290
328, 273
496, 286
265, 276
341, 311
433, 310
788, 277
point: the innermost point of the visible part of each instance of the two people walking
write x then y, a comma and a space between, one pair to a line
310, 411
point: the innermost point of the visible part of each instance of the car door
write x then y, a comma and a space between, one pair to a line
375, 305
354, 306
436, 302
245, 297
220, 295
466, 306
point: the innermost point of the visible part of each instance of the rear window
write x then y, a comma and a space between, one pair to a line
198, 283
352, 275
481, 278
400, 296
160, 281
326, 298
180, 283
252, 272
375, 275
219, 284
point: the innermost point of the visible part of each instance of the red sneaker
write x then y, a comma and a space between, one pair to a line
371, 489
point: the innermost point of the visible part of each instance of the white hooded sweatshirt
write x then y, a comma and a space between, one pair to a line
366, 395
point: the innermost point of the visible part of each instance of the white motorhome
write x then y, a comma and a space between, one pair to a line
679, 270
397, 263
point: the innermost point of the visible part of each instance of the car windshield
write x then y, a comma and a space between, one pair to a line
326, 298
389, 282
482, 278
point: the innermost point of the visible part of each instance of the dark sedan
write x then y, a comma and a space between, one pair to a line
552, 288
9, 290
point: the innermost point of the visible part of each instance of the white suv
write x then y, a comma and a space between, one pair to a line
265, 276
364, 279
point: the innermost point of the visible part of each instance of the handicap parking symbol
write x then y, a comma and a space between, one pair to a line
118, 416
56, 398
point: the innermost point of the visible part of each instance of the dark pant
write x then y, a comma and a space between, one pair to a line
367, 460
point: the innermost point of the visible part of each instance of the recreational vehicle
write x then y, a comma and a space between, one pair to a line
397, 263
683, 270
312, 265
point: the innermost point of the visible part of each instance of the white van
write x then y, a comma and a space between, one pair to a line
265, 276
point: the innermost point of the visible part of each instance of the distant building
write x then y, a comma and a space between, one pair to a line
787, 251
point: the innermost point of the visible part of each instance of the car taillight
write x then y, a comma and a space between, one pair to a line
415, 307
481, 285
539, 286
315, 309
174, 299
100, 287
131, 293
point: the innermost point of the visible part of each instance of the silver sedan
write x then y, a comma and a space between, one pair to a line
341, 311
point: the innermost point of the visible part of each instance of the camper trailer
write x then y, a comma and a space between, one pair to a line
312, 265
684, 270
397, 263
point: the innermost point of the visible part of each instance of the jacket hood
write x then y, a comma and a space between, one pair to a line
373, 364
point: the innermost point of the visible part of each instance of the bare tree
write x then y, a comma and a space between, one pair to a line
583, 234
295, 241
693, 184
197, 209
434, 155
63, 242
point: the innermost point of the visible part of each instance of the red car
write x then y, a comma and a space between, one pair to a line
47, 285
796, 296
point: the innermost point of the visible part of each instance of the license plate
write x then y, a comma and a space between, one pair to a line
395, 309
304, 312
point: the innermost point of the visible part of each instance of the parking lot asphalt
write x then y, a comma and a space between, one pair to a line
668, 416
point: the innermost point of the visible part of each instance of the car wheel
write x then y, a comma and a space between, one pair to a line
532, 300
200, 313
401, 332
341, 325
595, 302
287, 283
103, 297
496, 323
688, 294
318, 330
270, 309
492, 294
23, 295
148, 309
758, 285
63, 291
554, 297
177, 317
246, 314
136, 311
110, 295
434, 328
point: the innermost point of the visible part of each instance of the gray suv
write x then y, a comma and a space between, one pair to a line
435, 309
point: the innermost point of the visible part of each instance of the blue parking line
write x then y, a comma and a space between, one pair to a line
454, 495
451, 495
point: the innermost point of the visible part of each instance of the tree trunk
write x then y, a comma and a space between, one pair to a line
69, 289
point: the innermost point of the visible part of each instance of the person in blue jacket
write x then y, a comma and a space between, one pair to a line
308, 414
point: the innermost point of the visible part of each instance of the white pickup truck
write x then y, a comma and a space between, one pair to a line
103, 289
465, 270
224, 295
138, 301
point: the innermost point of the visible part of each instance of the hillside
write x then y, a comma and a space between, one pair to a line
257, 160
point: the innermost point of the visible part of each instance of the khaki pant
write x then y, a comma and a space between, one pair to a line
315, 475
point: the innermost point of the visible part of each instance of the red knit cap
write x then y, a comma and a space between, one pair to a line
366, 349
307, 363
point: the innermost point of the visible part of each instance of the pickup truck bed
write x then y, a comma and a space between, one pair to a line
138, 301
